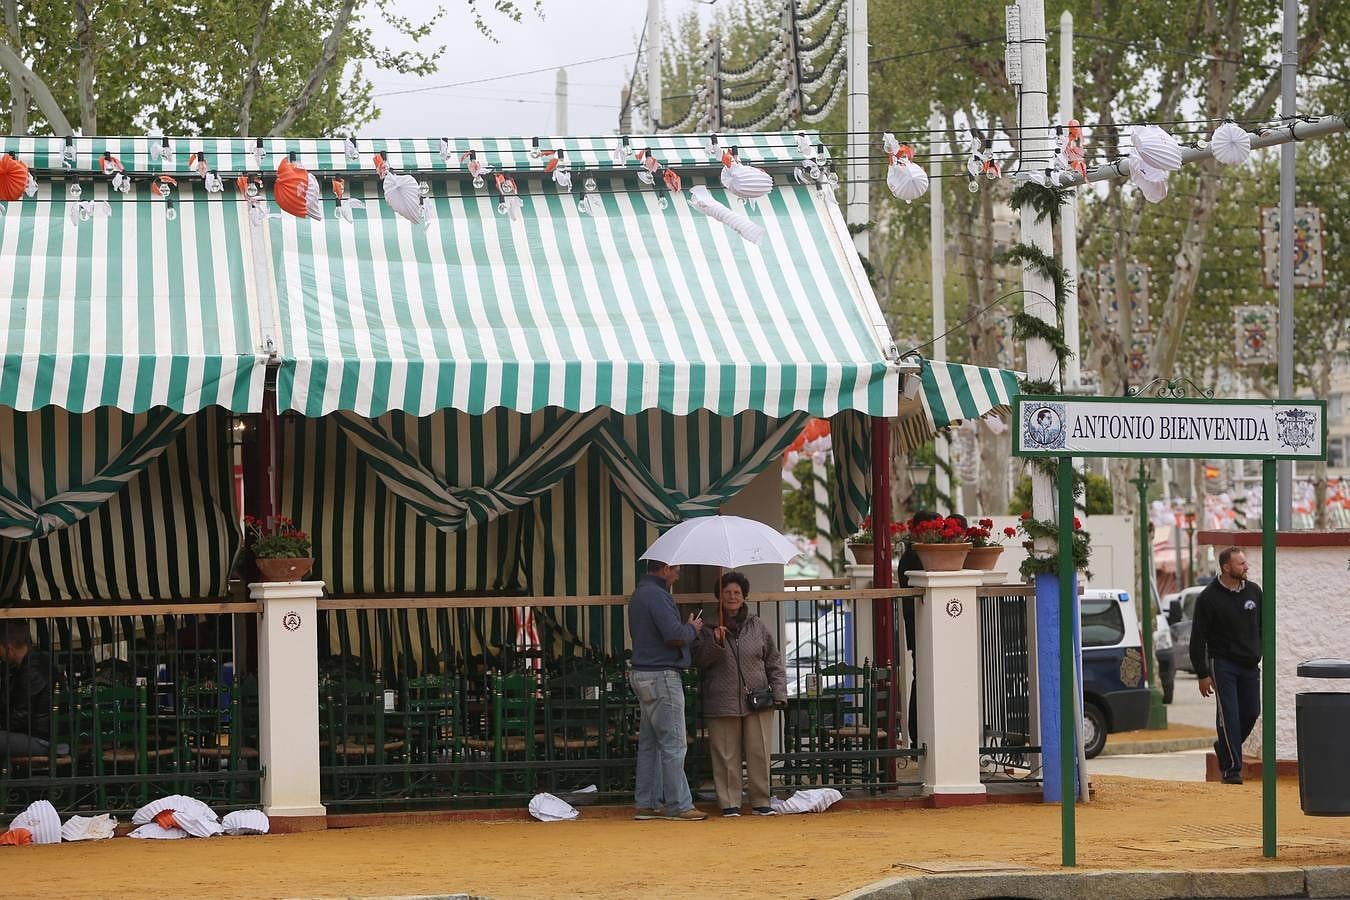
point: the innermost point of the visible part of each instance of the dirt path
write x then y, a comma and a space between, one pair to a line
796, 856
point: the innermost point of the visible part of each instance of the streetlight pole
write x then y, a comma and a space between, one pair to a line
1157, 712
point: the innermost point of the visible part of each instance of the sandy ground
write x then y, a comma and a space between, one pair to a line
1132, 823
1170, 733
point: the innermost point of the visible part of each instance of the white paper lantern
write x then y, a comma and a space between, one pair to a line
1231, 144
246, 821
151, 831
703, 201
548, 808
1157, 148
1152, 183
41, 820
746, 182
907, 181
404, 196
89, 828
175, 802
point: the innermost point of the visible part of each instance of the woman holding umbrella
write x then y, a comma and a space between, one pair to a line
743, 681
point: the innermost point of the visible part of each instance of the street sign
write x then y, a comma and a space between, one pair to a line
1170, 428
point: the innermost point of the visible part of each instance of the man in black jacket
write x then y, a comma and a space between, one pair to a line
26, 717
1226, 654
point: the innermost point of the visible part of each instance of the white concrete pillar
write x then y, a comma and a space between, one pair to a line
288, 696
860, 578
948, 642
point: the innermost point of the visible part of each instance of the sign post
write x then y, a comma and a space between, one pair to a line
1169, 425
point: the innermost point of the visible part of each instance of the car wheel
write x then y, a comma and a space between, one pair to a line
1094, 730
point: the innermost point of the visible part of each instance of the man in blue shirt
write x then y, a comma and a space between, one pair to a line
661, 646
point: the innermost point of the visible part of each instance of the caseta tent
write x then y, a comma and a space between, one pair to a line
514, 395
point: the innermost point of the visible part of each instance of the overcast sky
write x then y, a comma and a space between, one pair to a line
570, 32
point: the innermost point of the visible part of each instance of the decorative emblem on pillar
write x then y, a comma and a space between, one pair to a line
954, 608
291, 620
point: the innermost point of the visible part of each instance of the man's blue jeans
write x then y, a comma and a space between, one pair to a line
661, 742
1237, 691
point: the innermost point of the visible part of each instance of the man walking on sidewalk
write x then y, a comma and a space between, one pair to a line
661, 645
1226, 654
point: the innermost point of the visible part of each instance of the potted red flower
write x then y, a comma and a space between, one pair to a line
863, 541
283, 553
942, 544
986, 544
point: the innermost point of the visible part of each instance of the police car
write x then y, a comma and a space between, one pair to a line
1115, 681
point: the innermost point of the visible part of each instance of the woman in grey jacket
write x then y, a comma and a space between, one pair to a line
735, 657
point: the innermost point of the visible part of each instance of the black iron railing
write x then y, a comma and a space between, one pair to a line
1007, 748
102, 713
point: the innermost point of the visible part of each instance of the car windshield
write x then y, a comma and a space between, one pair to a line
1103, 625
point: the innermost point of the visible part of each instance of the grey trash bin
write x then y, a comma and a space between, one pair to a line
1323, 721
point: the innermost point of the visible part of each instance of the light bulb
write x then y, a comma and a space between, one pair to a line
252, 190
73, 190
973, 186
646, 177
501, 208
478, 182
424, 189
172, 212
589, 184
663, 201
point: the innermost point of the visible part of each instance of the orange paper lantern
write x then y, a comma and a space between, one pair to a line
297, 191
13, 178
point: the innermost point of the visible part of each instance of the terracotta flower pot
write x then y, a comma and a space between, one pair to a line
983, 557
864, 554
942, 557
292, 569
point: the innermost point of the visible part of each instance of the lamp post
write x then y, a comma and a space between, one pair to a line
920, 475
1157, 713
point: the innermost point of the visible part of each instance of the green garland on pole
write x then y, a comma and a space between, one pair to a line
1046, 202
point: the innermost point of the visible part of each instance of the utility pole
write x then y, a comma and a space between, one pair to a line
937, 252
654, 16
859, 127
1068, 220
1056, 600
1288, 108
560, 104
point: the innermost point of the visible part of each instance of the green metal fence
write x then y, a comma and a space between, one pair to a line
455, 702
107, 711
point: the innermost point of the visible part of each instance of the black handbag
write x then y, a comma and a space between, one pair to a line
759, 699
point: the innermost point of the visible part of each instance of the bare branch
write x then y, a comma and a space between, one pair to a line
20, 74
327, 57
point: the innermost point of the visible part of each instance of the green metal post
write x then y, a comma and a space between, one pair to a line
1268, 658
1068, 729
1157, 712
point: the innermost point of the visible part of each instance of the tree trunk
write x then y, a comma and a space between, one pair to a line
18, 115
84, 84
327, 57
254, 65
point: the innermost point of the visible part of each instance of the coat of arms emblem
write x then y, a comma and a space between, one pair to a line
1296, 428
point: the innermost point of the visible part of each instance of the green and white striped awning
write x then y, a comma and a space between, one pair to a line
650, 305
129, 311
951, 393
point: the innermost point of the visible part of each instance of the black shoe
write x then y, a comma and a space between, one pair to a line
1232, 779
763, 811
730, 812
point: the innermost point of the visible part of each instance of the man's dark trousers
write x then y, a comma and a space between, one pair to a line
1238, 691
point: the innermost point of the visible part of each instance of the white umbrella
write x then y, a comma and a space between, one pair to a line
726, 541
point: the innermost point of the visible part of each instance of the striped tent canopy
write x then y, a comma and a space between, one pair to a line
131, 311
951, 393
645, 305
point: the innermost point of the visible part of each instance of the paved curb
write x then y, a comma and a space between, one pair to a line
1126, 884
1169, 746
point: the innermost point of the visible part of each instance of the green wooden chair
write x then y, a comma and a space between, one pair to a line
511, 726
433, 725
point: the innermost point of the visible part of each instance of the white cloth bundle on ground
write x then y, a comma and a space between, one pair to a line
247, 821
548, 808
42, 822
806, 801
89, 828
